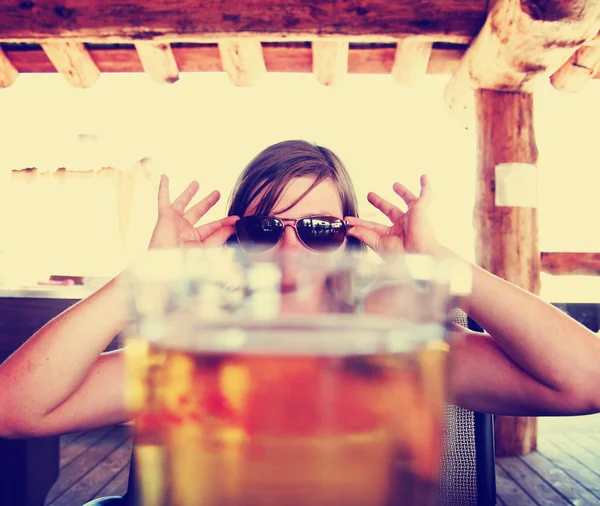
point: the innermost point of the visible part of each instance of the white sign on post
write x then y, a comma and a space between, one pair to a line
516, 185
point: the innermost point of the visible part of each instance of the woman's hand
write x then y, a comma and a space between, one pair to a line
410, 230
176, 226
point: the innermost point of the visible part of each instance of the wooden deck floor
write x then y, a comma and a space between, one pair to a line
564, 471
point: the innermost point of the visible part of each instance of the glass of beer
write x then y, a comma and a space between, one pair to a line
306, 381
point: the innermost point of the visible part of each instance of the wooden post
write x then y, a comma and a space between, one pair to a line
507, 230
8, 72
73, 60
158, 61
330, 61
580, 68
570, 264
243, 60
411, 60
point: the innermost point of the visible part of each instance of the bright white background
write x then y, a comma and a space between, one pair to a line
204, 128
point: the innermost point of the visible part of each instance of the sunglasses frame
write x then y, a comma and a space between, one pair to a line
293, 222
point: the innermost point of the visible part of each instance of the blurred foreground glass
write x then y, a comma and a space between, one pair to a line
315, 380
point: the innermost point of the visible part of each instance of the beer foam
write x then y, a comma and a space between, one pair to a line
328, 335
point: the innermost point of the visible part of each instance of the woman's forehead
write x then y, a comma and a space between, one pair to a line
323, 199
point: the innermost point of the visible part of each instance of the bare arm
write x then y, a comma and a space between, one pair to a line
536, 360
485, 379
59, 380
40, 380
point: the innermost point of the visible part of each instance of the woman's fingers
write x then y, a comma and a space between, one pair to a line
208, 229
371, 238
387, 208
425, 195
218, 238
371, 225
163, 193
404, 193
186, 197
194, 213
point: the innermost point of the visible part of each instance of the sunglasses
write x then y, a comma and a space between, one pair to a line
317, 233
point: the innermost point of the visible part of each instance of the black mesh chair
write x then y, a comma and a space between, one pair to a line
468, 476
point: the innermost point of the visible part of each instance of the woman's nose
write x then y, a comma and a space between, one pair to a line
290, 240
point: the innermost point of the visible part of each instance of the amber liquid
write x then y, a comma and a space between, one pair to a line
218, 429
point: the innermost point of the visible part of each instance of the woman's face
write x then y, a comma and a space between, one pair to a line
322, 200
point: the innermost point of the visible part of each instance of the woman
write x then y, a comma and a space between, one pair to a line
535, 360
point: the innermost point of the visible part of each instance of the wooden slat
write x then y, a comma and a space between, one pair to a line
117, 486
158, 61
411, 60
67, 439
192, 20
206, 58
73, 450
72, 472
570, 465
8, 72
561, 481
89, 485
74, 62
330, 61
579, 452
520, 44
243, 61
578, 70
509, 491
590, 424
541, 491
587, 264
585, 441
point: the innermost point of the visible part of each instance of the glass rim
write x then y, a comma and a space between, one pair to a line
329, 335
163, 265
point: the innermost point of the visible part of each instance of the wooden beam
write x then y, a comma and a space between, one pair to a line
73, 61
582, 264
505, 221
188, 20
330, 61
411, 60
521, 43
8, 72
206, 58
243, 61
158, 61
578, 70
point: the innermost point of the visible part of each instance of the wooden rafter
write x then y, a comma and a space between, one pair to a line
586, 264
411, 60
8, 72
243, 61
206, 58
578, 70
73, 61
330, 61
521, 42
189, 20
158, 61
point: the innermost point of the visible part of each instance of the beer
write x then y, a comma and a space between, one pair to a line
297, 413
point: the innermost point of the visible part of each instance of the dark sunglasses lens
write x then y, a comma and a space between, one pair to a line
322, 233
258, 232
